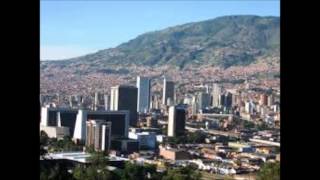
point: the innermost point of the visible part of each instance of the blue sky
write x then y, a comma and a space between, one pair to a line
75, 28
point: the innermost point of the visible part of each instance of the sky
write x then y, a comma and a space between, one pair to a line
74, 28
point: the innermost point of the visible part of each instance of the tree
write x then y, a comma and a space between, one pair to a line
58, 172
182, 173
269, 171
134, 171
98, 159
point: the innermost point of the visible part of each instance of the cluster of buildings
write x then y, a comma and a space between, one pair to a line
136, 122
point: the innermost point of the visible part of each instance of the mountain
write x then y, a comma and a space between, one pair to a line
224, 41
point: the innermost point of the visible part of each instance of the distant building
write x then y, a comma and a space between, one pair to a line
270, 100
216, 91
173, 153
249, 106
194, 106
98, 134
221, 100
228, 100
176, 121
203, 100
168, 92
125, 145
75, 120
146, 140
55, 132
106, 102
143, 85
125, 98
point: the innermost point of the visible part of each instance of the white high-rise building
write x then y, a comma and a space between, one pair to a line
80, 126
215, 95
176, 121
143, 85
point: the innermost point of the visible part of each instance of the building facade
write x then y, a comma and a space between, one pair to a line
176, 121
98, 134
125, 98
143, 85
168, 92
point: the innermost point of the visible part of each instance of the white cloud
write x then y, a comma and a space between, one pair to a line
63, 52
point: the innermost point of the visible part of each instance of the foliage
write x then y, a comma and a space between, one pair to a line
57, 172
269, 171
248, 124
65, 144
134, 171
182, 173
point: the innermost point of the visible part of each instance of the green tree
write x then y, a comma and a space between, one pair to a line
134, 171
269, 171
182, 173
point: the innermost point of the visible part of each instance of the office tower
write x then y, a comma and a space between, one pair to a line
96, 101
168, 91
98, 134
106, 102
249, 107
119, 120
125, 98
143, 85
194, 105
215, 95
270, 100
176, 121
203, 100
221, 100
228, 100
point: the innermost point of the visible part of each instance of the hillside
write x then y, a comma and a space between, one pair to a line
225, 41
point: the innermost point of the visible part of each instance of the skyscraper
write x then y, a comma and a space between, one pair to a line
228, 100
168, 91
106, 102
143, 85
221, 100
203, 100
215, 95
176, 121
125, 98
98, 134
270, 100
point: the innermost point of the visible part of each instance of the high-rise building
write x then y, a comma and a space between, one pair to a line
176, 121
203, 100
106, 102
194, 105
98, 134
125, 98
143, 85
168, 92
75, 120
228, 100
221, 100
215, 95
270, 100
